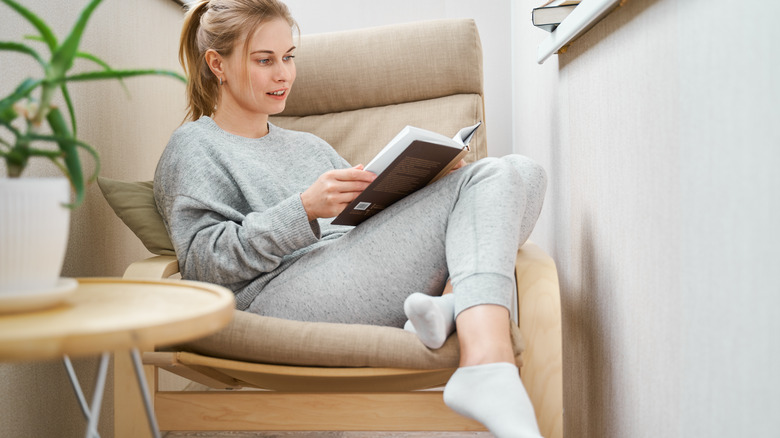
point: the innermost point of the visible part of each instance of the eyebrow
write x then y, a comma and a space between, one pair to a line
271, 52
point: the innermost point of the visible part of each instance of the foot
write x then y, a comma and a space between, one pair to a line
494, 395
432, 318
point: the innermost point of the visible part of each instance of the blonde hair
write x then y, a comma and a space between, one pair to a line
217, 25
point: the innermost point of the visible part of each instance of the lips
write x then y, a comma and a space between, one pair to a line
278, 93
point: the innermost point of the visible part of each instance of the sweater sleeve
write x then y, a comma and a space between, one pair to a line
219, 250
232, 207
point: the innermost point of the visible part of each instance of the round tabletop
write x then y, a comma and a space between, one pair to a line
107, 314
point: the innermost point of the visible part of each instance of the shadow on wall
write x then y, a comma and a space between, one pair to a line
588, 373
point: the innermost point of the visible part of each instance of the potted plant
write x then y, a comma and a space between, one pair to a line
32, 126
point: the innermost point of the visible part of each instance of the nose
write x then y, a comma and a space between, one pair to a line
285, 72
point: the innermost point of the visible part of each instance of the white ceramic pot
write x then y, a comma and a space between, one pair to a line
34, 226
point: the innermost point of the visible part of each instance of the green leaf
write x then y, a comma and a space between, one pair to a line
94, 59
16, 158
43, 28
62, 59
71, 110
67, 139
21, 48
8, 114
118, 74
10, 127
58, 154
95, 158
62, 169
37, 38
23, 90
67, 145
103, 64
44, 153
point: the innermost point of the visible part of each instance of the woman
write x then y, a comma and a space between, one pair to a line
248, 206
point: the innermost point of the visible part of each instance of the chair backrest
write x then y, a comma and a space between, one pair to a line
356, 89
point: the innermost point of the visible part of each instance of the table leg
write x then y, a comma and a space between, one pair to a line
91, 414
74, 381
97, 395
139, 374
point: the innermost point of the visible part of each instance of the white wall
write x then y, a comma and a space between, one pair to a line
493, 21
659, 132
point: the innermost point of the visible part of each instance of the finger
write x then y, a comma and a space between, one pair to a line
350, 186
341, 200
354, 175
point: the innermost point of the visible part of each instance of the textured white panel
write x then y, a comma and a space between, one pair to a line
658, 128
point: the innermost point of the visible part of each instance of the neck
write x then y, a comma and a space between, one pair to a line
241, 124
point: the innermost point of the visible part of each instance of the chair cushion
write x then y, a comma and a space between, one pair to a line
263, 339
134, 203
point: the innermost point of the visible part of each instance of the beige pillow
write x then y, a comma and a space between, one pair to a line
134, 203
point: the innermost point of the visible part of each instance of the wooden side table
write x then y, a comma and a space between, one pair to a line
106, 315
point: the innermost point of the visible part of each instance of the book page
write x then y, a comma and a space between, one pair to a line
397, 144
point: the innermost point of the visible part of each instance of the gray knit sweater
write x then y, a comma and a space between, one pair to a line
232, 204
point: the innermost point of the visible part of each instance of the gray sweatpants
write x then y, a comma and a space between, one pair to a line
467, 226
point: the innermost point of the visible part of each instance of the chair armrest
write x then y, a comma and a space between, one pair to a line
156, 268
539, 299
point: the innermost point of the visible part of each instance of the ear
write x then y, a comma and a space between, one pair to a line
215, 62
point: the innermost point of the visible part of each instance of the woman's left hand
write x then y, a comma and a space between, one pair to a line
460, 164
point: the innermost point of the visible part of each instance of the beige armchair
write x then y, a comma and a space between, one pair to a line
356, 90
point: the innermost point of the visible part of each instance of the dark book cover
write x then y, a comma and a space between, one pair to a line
417, 166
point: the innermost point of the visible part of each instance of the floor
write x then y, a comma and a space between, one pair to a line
329, 434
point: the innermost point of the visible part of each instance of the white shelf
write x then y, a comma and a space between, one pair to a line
585, 15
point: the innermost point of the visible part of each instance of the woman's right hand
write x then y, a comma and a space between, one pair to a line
334, 190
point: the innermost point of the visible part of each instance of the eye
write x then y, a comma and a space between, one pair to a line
264, 61
289, 58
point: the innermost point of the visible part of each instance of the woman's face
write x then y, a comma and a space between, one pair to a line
271, 71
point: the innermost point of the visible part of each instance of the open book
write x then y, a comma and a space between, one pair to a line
413, 159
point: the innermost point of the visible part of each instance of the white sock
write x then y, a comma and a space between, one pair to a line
494, 395
432, 318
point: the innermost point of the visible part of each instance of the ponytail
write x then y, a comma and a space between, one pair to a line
202, 91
